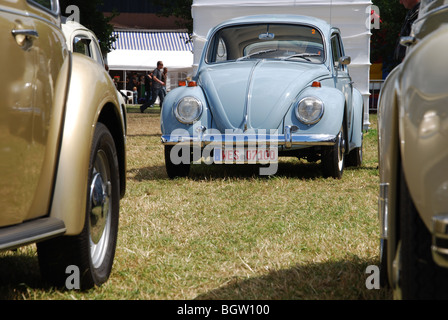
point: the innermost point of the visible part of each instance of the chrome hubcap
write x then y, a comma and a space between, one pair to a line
100, 191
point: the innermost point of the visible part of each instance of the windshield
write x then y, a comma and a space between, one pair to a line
267, 41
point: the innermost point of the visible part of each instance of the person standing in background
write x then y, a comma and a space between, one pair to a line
165, 79
157, 87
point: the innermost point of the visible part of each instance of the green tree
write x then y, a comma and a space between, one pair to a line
384, 39
181, 9
93, 19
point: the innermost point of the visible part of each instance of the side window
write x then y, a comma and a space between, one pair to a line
82, 45
50, 5
336, 51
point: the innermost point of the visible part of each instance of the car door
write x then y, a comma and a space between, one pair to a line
342, 78
31, 60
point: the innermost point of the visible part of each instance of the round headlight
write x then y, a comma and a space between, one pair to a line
310, 110
188, 110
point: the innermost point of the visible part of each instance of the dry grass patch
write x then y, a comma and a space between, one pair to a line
227, 233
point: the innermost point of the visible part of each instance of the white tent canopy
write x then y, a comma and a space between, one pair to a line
139, 50
143, 60
352, 17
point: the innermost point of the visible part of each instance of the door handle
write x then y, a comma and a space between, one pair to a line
25, 37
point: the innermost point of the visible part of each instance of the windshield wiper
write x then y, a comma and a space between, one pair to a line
302, 55
256, 53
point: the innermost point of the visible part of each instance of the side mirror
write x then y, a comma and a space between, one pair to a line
345, 60
408, 41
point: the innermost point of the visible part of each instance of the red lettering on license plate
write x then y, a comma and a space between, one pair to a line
241, 155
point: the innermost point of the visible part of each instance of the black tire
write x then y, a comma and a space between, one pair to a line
384, 280
419, 276
354, 158
176, 170
93, 250
333, 158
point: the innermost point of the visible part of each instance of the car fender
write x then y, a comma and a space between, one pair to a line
358, 117
422, 125
388, 160
89, 99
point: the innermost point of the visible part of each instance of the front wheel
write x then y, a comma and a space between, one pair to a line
93, 250
333, 158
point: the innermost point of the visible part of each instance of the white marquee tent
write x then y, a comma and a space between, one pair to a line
352, 17
139, 50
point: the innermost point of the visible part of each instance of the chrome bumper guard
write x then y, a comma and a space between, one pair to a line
288, 140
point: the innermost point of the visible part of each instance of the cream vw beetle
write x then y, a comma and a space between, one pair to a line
62, 147
413, 161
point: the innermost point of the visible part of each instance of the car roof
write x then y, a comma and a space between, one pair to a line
70, 25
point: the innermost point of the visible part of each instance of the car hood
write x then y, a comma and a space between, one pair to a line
255, 94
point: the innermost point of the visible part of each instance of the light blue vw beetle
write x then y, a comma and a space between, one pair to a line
266, 86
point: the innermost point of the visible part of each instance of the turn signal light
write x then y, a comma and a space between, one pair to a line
182, 83
192, 84
316, 84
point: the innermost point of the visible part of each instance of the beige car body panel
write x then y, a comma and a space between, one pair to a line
62, 114
74, 32
413, 128
83, 112
31, 112
423, 126
388, 143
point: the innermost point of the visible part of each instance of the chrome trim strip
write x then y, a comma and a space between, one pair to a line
30, 232
249, 95
383, 210
287, 140
288, 137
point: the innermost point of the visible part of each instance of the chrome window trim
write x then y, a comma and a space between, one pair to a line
55, 8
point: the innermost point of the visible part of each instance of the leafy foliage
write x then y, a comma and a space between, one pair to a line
95, 20
180, 9
384, 40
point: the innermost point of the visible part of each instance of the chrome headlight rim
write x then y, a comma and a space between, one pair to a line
181, 118
315, 119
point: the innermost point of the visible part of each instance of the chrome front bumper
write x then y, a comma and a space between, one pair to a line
288, 140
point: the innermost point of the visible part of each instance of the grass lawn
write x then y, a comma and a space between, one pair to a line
227, 233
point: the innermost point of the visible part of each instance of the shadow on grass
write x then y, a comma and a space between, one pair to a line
198, 172
18, 274
338, 280
334, 280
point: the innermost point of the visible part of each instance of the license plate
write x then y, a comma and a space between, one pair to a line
245, 155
